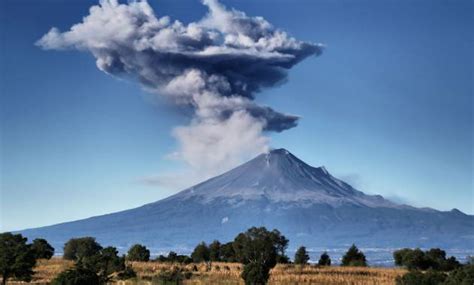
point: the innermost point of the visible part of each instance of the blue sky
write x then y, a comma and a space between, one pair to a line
387, 107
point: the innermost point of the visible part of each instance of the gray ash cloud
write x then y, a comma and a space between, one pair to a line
213, 67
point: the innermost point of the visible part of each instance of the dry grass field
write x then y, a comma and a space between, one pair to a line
220, 273
335, 275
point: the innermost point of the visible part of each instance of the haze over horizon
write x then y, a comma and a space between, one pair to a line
387, 106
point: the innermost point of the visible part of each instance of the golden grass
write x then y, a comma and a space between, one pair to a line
334, 275
213, 273
220, 273
46, 270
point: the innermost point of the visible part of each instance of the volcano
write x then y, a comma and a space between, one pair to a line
276, 190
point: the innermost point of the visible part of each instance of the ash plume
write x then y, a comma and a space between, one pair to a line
213, 68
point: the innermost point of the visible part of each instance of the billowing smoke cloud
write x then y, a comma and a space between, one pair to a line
212, 68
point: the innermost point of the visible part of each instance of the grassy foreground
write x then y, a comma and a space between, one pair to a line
221, 273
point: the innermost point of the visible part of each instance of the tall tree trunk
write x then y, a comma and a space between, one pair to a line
4, 278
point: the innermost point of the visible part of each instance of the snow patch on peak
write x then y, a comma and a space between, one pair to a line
324, 170
267, 159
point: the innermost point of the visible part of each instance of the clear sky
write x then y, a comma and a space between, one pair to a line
387, 107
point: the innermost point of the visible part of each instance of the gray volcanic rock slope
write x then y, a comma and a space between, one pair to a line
276, 190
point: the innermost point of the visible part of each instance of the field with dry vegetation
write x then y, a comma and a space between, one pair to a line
220, 273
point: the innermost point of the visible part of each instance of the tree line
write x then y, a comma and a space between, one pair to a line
432, 267
258, 249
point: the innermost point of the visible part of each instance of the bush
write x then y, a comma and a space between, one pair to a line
77, 248
161, 258
138, 252
399, 255
324, 259
77, 276
201, 253
42, 249
215, 251
281, 243
174, 276
354, 257
91, 259
461, 276
419, 278
416, 259
128, 273
184, 259
172, 256
227, 252
255, 274
301, 256
106, 263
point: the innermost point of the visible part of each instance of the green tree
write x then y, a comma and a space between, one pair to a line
281, 244
461, 276
201, 253
450, 264
324, 259
138, 252
228, 253
354, 257
399, 256
90, 258
301, 256
172, 256
78, 248
106, 263
42, 249
17, 259
416, 259
257, 249
215, 251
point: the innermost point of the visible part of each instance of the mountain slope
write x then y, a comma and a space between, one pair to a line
276, 190
279, 176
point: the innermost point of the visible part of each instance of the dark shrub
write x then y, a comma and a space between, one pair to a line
301, 256
16, 257
354, 257
77, 248
416, 259
227, 252
138, 252
461, 276
255, 274
42, 249
201, 253
128, 273
419, 278
215, 251
324, 259
77, 276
